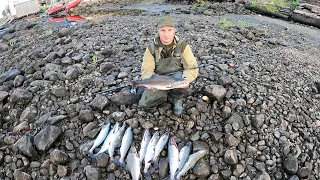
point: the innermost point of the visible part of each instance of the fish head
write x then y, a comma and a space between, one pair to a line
172, 141
189, 144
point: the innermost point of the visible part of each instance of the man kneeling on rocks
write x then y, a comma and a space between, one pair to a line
167, 54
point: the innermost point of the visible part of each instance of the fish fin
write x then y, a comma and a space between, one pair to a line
122, 164
176, 177
154, 76
118, 163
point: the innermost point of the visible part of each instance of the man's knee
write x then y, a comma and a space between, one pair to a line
152, 99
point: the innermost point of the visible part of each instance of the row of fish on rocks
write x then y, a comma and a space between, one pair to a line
113, 137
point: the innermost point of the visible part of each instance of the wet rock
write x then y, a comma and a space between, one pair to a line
163, 168
239, 169
226, 174
235, 118
25, 145
129, 48
71, 110
56, 119
89, 130
251, 150
112, 167
18, 80
21, 96
22, 126
58, 157
102, 160
45, 138
220, 50
105, 67
217, 92
200, 145
1, 156
124, 97
231, 140
41, 83
290, 165
29, 114
62, 171
230, 157
201, 169
19, 175
52, 169
195, 136
303, 172
3, 95
9, 139
107, 53
215, 177
3, 47
59, 91
225, 80
84, 148
66, 61
272, 41
122, 75
258, 121
111, 176
118, 116
74, 165
261, 166
86, 115
99, 102
91, 172
72, 74
216, 135
64, 32
262, 176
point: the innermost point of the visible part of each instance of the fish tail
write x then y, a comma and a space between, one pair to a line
111, 159
152, 161
134, 86
122, 164
117, 162
147, 176
91, 155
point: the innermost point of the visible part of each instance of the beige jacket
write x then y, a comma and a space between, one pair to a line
148, 64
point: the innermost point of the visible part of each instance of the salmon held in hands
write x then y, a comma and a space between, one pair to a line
161, 82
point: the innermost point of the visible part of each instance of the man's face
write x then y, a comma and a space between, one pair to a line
166, 34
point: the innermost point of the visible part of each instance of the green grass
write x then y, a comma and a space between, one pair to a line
270, 5
11, 43
245, 24
226, 23
43, 9
94, 59
201, 3
48, 32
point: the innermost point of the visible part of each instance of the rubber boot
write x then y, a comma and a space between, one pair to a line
177, 104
